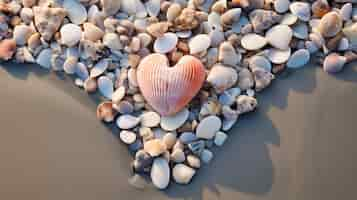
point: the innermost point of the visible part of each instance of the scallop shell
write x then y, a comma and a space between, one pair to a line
259, 62
253, 41
279, 36
169, 89
300, 30
166, 43
298, 59
199, 43
281, 6
278, 56
301, 10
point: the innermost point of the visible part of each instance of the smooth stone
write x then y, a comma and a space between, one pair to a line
281, 6
298, 59
178, 156
150, 119
253, 41
217, 37
279, 36
127, 121
182, 174
199, 43
196, 147
208, 127
169, 139
82, 71
193, 161
166, 43
278, 56
160, 173
128, 137
154, 147
70, 34
77, 13
159, 133
105, 86
220, 138
206, 156
302, 10
170, 123
112, 41
227, 124
187, 137
44, 58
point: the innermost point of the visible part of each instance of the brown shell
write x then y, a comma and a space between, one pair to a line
169, 89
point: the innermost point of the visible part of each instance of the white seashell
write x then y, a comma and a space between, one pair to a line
160, 173
222, 77
344, 44
112, 41
346, 11
302, 10
259, 62
70, 34
110, 7
184, 34
92, 32
214, 21
253, 41
99, 68
199, 43
228, 55
170, 123
128, 137
281, 6
289, 19
217, 37
150, 119
82, 71
166, 43
182, 174
77, 13
44, 58
279, 36
70, 65
105, 86
127, 121
300, 31
208, 127
278, 56
178, 156
153, 7
298, 59
133, 7
22, 33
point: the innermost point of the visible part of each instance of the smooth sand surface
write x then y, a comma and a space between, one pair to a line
301, 144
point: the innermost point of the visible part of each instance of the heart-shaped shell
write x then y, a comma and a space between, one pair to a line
169, 89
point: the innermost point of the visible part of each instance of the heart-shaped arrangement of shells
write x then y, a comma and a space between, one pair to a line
222, 53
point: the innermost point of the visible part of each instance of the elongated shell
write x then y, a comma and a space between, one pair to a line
169, 89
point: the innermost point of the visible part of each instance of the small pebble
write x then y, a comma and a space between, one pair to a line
208, 127
128, 137
220, 138
206, 156
178, 156
127, 121
160, 173
182, 174
150, 119
193, 161
171, 123
154, 147
187, 137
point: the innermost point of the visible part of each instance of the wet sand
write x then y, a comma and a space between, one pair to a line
299, 144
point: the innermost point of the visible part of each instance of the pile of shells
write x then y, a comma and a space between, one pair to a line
222, 53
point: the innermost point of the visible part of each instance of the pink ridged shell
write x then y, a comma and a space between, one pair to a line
169, 89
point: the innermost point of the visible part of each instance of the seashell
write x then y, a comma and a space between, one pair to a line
154, 147
301, 10
199, 43
48, 20
127, 121
253, 41
70, 34
76, 12
177, 156
128, 137
279, 36
343, 44
193, 161
262, 79
330, 24
351, 33
92, 32
22, 33
281, 6
153, 7
124, 107
214, 21
150, 119
99, 68
231, 16
7, 48
160, 173
263, 19
245, 79
140, 11
320, 7
112, 41
346, 11
118, 95
134, 45
278, 56
166, 43
317, 39
28, 3
289, 19
334, 63
246, 104
300, 31
173, 12
219, 6
105, 86
70, 65
105, 111
95, 16
298, 59
26, 15
216, 38
261, 62
228, 55
171, 123
34, 41
145, 39
44, 58
182, 174
90, 85
222, 77
169, 81
81, 71
158, 29
187, 20
110, 7
208, 127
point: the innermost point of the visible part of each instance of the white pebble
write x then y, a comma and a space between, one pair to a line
150, 119
160, 173
128, 137
127, 121
182, 174
208, 127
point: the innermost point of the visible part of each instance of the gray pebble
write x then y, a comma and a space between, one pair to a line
206, 156
220, 138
